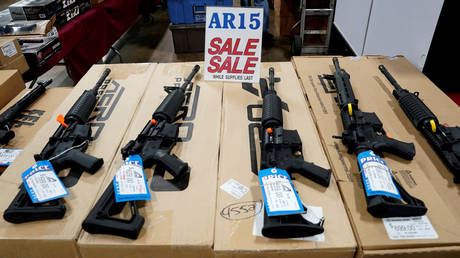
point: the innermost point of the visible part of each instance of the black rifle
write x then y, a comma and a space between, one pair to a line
65, 149
7, 117
153, 144
364, 131
444, 140
282, 149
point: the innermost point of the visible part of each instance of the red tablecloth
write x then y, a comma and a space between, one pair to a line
88, 37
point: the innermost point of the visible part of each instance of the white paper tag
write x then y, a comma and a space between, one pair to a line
234, 188
401, 228
9, 49
314, 215
8, 155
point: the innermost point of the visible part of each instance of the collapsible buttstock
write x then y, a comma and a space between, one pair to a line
381, 206
289, 226
100, 220
22, 209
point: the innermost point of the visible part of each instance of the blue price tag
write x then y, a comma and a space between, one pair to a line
42, 183
129, 181
280, 196
376, 176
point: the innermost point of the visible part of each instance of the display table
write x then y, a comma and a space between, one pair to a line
88, 37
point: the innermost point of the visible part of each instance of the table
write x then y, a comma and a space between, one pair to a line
88, 37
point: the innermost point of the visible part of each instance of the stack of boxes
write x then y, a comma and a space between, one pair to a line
64, 10
187, 23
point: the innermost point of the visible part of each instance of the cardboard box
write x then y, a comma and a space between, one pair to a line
69, 13
33, 117
34, 9
372, 235
177, 223
10, 50
11, 84
234, 228
119, 99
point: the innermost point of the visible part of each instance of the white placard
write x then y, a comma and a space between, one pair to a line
234, 188
9, 49
410, 228
233, 44
7, 156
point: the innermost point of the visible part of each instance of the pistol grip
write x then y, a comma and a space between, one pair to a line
87, 162
311, 171
401, 149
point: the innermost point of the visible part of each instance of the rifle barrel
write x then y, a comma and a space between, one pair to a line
389, 77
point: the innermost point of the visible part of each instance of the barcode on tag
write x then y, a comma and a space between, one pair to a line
42, 183
7, 156
234, 188
129, 181
9, 49
409, 228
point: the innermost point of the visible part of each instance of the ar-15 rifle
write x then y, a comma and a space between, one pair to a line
282, 148
7, 117
363, 131
444, 140
153, 145
65, 149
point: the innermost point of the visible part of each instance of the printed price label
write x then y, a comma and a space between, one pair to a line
409, 228
9, 49
280, 197
7, 156
42, 183
313, 214
129, 182
376, 176
234, 188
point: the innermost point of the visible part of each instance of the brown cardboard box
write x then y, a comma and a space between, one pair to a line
234, 225
372, 235
33, 117
178, 223
11, 84
9, 49
11, 56
17, 63
117, 104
